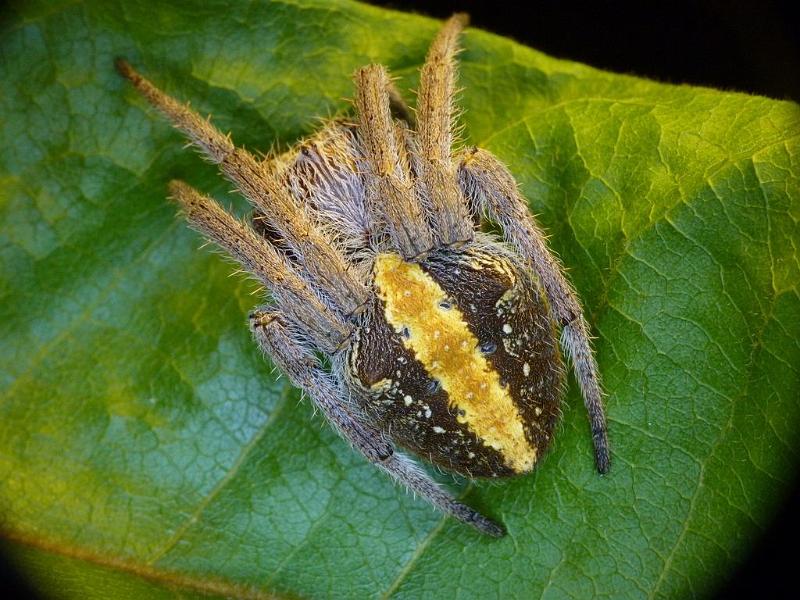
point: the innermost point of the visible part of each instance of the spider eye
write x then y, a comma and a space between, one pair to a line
488, 348
405, 332
445, 305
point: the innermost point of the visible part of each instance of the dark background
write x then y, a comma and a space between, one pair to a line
747, 46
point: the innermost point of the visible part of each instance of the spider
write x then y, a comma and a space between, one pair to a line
391, 309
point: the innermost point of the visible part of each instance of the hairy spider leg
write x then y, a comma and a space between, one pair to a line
393, 195
327, 329
278, 341
492, 190
437, 178
328, 269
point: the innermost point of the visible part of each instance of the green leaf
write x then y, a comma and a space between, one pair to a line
147, 450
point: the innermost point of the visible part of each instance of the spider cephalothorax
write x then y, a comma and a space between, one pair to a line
441, 338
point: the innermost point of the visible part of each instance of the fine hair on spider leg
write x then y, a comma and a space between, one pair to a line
323, 261
492, 189
404, 323
386, 156
277, 341
435, 117
262, 260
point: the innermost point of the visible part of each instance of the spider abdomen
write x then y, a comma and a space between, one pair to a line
457, 360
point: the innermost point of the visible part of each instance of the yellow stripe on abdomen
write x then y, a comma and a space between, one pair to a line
443, 343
